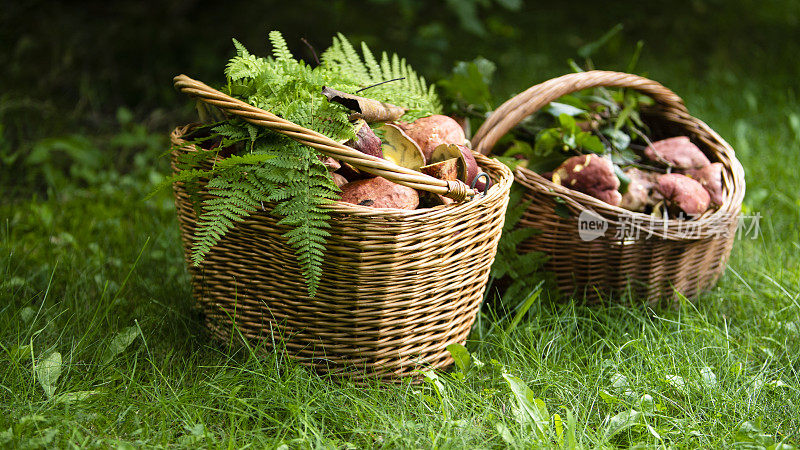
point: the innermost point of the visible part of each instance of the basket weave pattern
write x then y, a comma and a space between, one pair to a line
652, 259
397, 285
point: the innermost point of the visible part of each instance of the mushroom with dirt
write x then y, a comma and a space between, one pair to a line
378, 192
641, 192
683, 194
592, 175
677, 152
433, 131
710, 177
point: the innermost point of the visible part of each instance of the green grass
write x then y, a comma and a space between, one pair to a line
91, 271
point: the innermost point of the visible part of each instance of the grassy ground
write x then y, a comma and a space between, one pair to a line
100, 346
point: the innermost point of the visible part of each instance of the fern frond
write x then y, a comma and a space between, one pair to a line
230, 130
248, 159
342, 57
240, 67
353, 63
240, 49
236, 198
336, 127
410, 91
280, 51
371, 63
396, 66
252, 130
386, 66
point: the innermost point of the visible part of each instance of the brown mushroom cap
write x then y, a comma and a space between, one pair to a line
331, 164
684, 193
710, 177
610, 196
641, 191
366, 141
379, 192
443, 170
338, 179
400, 149
678, 152
592, 175
467, 166
433, 131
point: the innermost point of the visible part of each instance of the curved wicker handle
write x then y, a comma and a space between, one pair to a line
511, 113
456, 190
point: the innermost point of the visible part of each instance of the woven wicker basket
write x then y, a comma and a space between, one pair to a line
397, 285
646, 257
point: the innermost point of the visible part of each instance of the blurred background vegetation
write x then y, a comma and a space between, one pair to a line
87, 86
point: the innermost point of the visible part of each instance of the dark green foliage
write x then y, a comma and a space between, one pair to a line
468, 87
598, 120
292, 178
237, 195
522, 269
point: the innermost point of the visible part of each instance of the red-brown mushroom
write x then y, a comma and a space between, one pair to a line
467, 166
678, 152
379, 192
433, 131
710, 177
331, 164
338, 179
684, 193
444, 170
592, 175
366, 140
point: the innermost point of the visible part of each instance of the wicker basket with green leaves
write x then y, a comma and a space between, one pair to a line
595, 247
274, 258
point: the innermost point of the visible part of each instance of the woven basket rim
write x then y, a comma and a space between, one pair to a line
497, 190
708, 224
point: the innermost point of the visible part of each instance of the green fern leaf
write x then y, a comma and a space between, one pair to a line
371, 63
241, 51
249, 159
279, 48
236, 199
230, 130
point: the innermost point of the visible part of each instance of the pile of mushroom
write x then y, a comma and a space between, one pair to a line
435, 145
690, 185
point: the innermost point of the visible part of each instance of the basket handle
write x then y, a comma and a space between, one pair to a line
455, 190
511, 113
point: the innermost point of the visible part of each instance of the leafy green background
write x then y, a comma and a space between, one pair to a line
99, 343
67, 68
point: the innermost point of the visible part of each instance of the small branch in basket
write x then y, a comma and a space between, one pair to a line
310, 47
646, 167
365, 108
378, 84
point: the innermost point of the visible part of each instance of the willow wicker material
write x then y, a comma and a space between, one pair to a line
397, 285
650, 258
